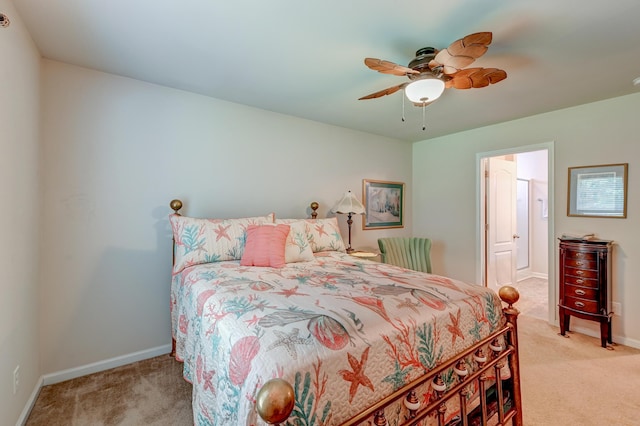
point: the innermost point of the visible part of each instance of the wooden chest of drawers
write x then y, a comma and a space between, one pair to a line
585, 284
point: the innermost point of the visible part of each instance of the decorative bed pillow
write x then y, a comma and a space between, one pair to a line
298, 248
210, 240
324, 235
265, 245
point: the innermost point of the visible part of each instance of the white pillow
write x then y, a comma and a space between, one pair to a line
325, 235
322, 234
298, 247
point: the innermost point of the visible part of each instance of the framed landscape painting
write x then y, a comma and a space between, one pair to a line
384, 204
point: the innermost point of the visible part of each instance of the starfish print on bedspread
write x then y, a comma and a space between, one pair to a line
289, 341
407, 303
454, 328
291, 292
222, 232
320, 229
205, 376
357, 376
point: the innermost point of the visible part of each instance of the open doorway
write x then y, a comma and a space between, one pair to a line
516, 227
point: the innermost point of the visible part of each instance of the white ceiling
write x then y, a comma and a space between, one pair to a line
305, 57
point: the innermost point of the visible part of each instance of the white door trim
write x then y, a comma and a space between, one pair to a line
480, 218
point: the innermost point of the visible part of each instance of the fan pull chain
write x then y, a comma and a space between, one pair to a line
424, 107
403, 107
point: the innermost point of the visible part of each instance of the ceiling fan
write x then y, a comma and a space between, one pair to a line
432, 70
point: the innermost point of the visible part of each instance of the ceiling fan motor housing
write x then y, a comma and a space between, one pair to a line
421, 63
422, 59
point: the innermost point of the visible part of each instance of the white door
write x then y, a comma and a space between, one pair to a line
501, 222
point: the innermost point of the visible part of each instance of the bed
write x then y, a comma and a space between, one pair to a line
276, 324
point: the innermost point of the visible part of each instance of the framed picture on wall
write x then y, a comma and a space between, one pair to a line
384, 204
598, 191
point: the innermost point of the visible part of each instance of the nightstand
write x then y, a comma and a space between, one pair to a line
364, 254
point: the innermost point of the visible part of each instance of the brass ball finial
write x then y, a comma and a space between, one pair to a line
314, 209
509, 295
175, 205
275, 401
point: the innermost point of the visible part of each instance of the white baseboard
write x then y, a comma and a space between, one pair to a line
72, 373
523, 274
632, 343
30, 403
540, 275
526, 273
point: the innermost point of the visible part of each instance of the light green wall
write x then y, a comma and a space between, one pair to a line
444, 191
20, 192
117, 150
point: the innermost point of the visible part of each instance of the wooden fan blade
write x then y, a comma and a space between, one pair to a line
387, 67
495, 75
484, 37
472, 50
462, 53
475, 78
451, 64
384, 92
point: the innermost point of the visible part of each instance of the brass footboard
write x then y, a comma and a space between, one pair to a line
497, 354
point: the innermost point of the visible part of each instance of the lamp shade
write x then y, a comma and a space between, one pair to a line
424, 90
348, 204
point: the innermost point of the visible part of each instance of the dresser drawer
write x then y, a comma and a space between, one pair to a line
582, 273
581, 263
584, 282
577, 254
581, 292
583, 305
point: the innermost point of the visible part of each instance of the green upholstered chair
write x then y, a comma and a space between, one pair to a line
407, 252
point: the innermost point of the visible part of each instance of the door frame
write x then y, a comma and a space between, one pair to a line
481, 218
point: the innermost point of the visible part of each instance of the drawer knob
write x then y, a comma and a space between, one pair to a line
580, 292
580, 304
579, 281
579, 263
579, 272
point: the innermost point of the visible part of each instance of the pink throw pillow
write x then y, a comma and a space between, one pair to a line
265, 246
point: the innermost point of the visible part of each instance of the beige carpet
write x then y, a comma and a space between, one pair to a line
574, 381
150, 392
565, 381
534, 297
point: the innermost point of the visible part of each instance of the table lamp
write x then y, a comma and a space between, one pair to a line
349, 205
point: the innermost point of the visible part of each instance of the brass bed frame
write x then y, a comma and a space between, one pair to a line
275, 400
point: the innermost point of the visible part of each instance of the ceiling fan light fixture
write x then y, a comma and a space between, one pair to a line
424, 90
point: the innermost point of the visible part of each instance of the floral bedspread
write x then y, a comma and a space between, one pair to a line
344, 332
